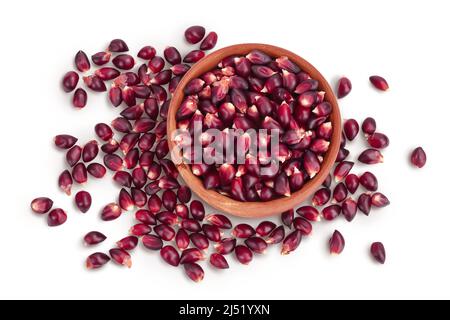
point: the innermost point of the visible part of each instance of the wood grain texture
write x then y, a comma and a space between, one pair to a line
255, 209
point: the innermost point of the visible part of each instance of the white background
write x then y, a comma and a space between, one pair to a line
404, 41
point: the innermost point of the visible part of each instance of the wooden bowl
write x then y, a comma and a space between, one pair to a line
255, 209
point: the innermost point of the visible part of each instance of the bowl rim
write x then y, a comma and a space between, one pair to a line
255, 209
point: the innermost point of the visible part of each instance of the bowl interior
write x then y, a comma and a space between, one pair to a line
255, 209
